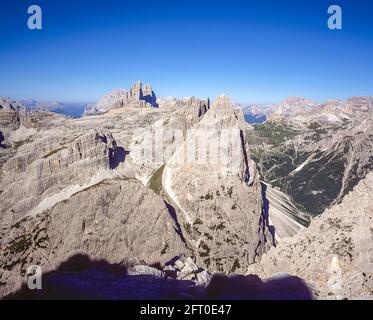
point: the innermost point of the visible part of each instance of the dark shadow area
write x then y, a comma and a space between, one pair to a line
265, 213
151, 99
74, 270
116, 156
2, 138
80, 278
173, 215
81, 262
247, 173
251, 287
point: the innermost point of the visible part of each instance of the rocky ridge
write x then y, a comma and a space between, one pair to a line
334, 254
213, 212
138, 96
46, 181
220, 198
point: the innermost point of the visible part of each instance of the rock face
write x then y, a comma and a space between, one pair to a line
52, 168
334, 255
185, 269
138, 96
155, 146
68, 188
10, 119
217, 190
105, 220
72, 189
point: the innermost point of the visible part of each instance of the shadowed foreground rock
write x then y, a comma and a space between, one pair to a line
82, 278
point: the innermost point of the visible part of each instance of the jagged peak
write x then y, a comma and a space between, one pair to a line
223, 101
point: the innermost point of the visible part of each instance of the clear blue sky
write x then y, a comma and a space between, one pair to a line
255, 51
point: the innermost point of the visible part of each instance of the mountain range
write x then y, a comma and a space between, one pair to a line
185, 189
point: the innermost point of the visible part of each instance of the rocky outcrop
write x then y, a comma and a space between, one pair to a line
9, 119
48, 170
184, 268
138, 96
334, 255
152, 148
112, 220
18, 123
213, 183
180, 268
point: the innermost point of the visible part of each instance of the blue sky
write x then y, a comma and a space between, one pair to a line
255, 51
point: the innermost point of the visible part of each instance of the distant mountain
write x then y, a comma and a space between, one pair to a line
74, 110
258, 118
314, 157
33, 104
137, 96
71, 109
294, 105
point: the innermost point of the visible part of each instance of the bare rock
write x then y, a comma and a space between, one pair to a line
219, 198
138, 96
334, 254
48, 170
109, 226
184, 268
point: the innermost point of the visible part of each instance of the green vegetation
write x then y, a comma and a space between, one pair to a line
343, 248
274, 133
155, 182
208, 196
19, 245
187, 228
18, 144
164, 250
53, 152
206, 249
207, 262
236, 266
18, 251
318, 131
18, 224
198, 221
220, 226
314, 126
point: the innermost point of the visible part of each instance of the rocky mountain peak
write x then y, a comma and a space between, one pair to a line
138, 96
222, 102
223, 115
136, 91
